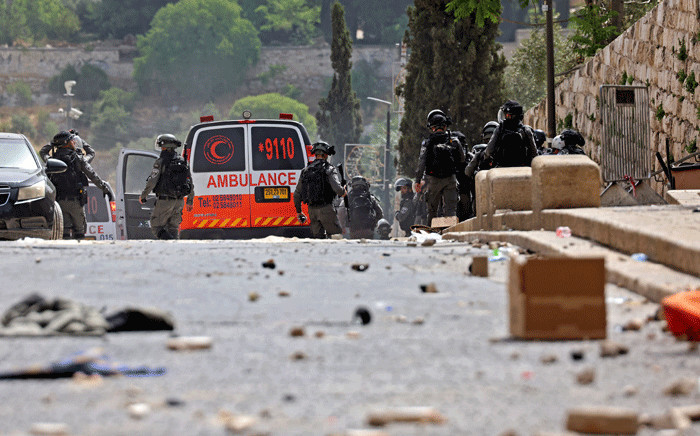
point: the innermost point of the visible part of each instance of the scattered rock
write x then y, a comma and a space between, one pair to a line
692, 412
430, 288
428, 243
270, 263
283, 294
253, 296
296, 332
181, 343
237, 423
298, 355
419, 415
605, 420
612, 349
630, 391
401, 319
509, 432
514, 355
359, 267
319, 334
586, 377
49, 429
681, 387
280, 272
548, 359
673, 419
365, 432
418, 321
633, 325
138, 410
174, 402
352, 335
37, 260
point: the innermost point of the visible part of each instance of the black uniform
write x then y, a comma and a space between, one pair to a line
365, 211
48, 150
318, 193
512, 145
71, 190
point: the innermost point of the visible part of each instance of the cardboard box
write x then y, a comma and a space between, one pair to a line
557, 298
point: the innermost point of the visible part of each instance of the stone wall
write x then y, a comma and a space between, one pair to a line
647, 52
307, 68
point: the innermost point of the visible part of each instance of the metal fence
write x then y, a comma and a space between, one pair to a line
626, 150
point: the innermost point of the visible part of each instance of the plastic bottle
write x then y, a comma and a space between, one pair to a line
639, 257
563, 232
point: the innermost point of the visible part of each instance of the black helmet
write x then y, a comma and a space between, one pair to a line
511, 110
323, 147
359, 182
437, 118
540, 137
488, 130
61, 138
572, 138
167, 141
402, 182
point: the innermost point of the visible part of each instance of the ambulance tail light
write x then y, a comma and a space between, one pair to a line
286, 116
113, 209
206, 119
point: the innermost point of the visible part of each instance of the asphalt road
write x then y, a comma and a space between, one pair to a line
459, 360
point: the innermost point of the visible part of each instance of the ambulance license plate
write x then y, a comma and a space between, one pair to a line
276, 193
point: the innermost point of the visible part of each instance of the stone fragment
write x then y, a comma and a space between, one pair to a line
49, 429
270, 263
603, 420
586, 377
298, 355
630, 391
548, 359
418, 415
253, 296
430, 288
681, 387
359, 267
296, 332
283, 294
577, 355
138, 410
633, 325
418, 320
612, 349
237, 423
352, 335
692, 412
182, 343
319, 334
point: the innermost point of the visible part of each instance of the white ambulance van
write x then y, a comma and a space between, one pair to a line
244, 173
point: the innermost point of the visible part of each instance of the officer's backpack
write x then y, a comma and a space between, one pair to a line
441, 159
70, 182
175, 181
511, 147
316, 190
362, 212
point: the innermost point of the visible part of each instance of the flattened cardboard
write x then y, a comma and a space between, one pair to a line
557, 298
480, 266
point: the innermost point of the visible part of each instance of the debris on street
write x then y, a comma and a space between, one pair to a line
184, 343
418, 415
602, 420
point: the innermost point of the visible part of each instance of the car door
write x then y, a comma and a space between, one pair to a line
133, 218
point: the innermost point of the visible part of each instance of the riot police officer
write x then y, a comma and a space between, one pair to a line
171, 181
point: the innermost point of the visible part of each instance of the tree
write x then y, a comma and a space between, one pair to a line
339, 119
111, 118
526, 72
480, 10
196, 48
34, 20
284, 21
381, 22
271, 106
454, 66
118, 18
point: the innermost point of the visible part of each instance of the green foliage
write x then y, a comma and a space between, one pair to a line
682, 51
118, 18
660, 112
270, 106
691, 83
111, 117
630, 80
22, 92
456, 66
479, 10
593, 29
339, 118
36, 20
21, 123
623, 79
692, 147
91, 81
291, 91
45, 126
287, 21
568, 121
273, 71
180, 56
526, 73
382, 22
365, 81
681, 75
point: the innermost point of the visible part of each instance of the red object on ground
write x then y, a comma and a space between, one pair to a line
682, 312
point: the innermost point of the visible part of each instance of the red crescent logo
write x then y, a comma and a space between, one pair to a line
218, 149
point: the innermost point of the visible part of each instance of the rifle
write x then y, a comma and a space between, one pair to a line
343, 183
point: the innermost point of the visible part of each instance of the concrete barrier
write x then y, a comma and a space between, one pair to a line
564, 182
482, 199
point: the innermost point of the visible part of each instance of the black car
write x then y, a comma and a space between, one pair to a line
28, 204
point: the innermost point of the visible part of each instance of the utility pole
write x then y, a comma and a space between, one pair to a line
551, 114
387, 157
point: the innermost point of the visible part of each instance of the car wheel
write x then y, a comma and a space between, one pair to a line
57, 229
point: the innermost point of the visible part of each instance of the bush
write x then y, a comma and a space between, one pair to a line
21, 91
21, 123
90, 81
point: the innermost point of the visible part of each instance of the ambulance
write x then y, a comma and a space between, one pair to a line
244, 173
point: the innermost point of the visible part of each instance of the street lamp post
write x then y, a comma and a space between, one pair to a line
551, 114
387, 155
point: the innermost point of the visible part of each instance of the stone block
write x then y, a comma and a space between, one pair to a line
564, 182
482, 196
510, 188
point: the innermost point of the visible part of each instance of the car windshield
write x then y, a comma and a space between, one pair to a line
15, 153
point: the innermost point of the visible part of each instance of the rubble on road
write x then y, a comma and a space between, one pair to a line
419, 415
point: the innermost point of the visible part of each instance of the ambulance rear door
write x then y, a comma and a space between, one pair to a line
133, 218
218, 161
278, 154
